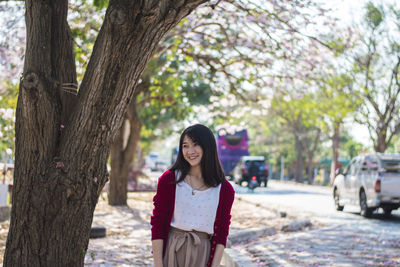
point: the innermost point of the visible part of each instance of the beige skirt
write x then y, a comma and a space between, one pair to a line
187, 249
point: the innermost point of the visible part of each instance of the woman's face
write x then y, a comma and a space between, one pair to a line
192, 152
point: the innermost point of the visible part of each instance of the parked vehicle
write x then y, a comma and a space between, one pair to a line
151, 160
161, 165
251, 168
370, 181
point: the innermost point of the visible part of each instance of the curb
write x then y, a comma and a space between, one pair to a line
248, 235
233, 258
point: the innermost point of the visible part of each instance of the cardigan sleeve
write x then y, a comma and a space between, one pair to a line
159, 219
221, 228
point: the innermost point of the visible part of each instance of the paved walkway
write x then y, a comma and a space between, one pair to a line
128, 230
128, 234
329, 246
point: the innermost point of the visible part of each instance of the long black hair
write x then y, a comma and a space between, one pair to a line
211, 168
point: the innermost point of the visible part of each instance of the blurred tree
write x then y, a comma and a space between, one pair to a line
301, 114
351, 147
376, 70
63, 136
271, 138
394, 146
336, 103
12, 41
8, 103
165, 94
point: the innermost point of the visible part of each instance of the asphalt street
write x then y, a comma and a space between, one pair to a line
344, 239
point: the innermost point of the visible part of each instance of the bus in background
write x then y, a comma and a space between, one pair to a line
231, 148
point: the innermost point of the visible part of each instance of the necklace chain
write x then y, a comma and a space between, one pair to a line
192, 187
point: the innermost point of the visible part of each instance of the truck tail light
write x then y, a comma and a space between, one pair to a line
266, 170
377, 186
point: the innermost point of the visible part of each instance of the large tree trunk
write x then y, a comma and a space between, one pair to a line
122, 156
61, 151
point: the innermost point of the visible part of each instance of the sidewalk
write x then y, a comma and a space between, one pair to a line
329, 246
128, 230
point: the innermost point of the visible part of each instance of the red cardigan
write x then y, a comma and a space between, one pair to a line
164, 204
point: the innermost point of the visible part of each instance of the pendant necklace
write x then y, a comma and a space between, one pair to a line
191, 186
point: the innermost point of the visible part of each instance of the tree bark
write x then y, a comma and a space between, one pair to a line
300, 160
381, 142
311, 148
62, 150
122, 155
335, 151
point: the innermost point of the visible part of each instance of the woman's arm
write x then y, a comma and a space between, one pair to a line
157, 245
219, 251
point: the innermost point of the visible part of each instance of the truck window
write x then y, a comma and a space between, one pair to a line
354, 167
349, 167
371, 163
392, 166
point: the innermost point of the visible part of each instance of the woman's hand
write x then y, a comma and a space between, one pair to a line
157, 245
219, 251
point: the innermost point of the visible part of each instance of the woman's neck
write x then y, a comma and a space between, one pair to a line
195, 172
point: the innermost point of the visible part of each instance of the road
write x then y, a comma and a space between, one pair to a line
345, 239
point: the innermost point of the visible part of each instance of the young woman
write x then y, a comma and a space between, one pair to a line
192, 206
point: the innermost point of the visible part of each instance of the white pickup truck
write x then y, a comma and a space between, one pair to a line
370, 181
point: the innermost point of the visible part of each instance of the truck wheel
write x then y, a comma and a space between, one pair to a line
336, 199
365, 211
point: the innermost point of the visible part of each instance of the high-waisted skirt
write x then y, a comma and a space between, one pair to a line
187, 249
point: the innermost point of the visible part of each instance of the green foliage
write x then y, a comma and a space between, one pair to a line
373, 15
394, 146
302, 109
85, 21
100, 4
336, 99
351, 147
173, 90
8, 104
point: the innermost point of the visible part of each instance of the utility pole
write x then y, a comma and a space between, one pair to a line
282, 167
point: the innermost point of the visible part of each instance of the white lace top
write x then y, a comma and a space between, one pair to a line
195, 212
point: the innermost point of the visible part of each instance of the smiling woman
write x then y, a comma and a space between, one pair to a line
191, 216
192, 152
